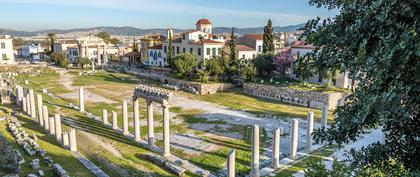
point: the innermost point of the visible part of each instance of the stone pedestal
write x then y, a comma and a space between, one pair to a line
45, 117
39, 104
28, 105
231, 164
150, 128
57, 123
81, 100
166, 131
324, 116
310, 128
72, 140
65, 137
104, 116
114, 120
32, 99
136, 119
125, 118
19, 91
52, 125
276, 148
255, 154
294, 133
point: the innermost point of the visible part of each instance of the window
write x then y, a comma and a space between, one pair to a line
319, 78
219, 51
165, 48
3, 56
159, 55
177, 50
191, 50
259, 49
243, 56
151, 54
199, 51
3, 45
183, 37
208, 51
183, 50
214, 52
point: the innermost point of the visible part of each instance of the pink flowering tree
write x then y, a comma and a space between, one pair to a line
283, 60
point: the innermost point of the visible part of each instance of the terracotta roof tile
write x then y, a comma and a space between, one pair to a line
255, 36
203, 21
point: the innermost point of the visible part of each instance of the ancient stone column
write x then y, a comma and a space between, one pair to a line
86, 51
98, 48
72, 140
294, 138
82, 51
231, 164
150, 129
65, 136
24, 106
81, 100
310, 129
28, 105
39, 104
125, 117
57, 123
166, 131
45, 117
32, 98
255, 154
324, 116
52, 125
136, 119
105, 54
104, 116
93, 65
276, 148
19, 91
114, 120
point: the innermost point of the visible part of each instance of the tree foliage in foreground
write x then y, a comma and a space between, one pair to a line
377, 42
185, 64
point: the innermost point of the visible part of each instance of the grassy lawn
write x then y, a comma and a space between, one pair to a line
236, 100
50, 145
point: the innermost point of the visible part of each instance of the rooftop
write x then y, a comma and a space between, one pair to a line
203, 21
255, 36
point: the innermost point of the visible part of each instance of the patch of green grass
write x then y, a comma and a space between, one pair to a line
236, 100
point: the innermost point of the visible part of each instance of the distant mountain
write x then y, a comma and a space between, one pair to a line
131, 31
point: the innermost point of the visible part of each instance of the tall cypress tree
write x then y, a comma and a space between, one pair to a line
232, 56
268, 43
171, 53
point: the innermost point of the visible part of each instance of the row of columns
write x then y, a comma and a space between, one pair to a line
85, 52
255, 151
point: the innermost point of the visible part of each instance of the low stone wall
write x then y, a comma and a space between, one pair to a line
293, 96
193, 87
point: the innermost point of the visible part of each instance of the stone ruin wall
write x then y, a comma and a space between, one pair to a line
293, 96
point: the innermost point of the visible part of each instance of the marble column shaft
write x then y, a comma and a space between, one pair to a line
81, 100
310, 129
231, 164
28, 105
39, 104
24, 106
255, 154
65, 136
72, 140
136, 119
294, 133
45, 117
114, 120
125, 117
57, 123
32, 98
276, 148
166, 131
104, 116
52, 125
150, 128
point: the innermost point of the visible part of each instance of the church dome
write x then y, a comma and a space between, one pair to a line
203, 21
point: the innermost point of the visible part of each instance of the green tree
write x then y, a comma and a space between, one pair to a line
135, 46
376, 42
114, 41
304, 68
268, 38
316, 168
104, 36
18, 41
264, 64
234, 63
59, 59
170, 56
185, 64
248, 71
83, 61
51, 41
215, 67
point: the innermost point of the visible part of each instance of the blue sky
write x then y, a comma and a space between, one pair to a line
33, 15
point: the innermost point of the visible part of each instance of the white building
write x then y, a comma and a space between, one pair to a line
254, 41
199, 42
242, 52
299, 48
33, 51
6, 50
155, 56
